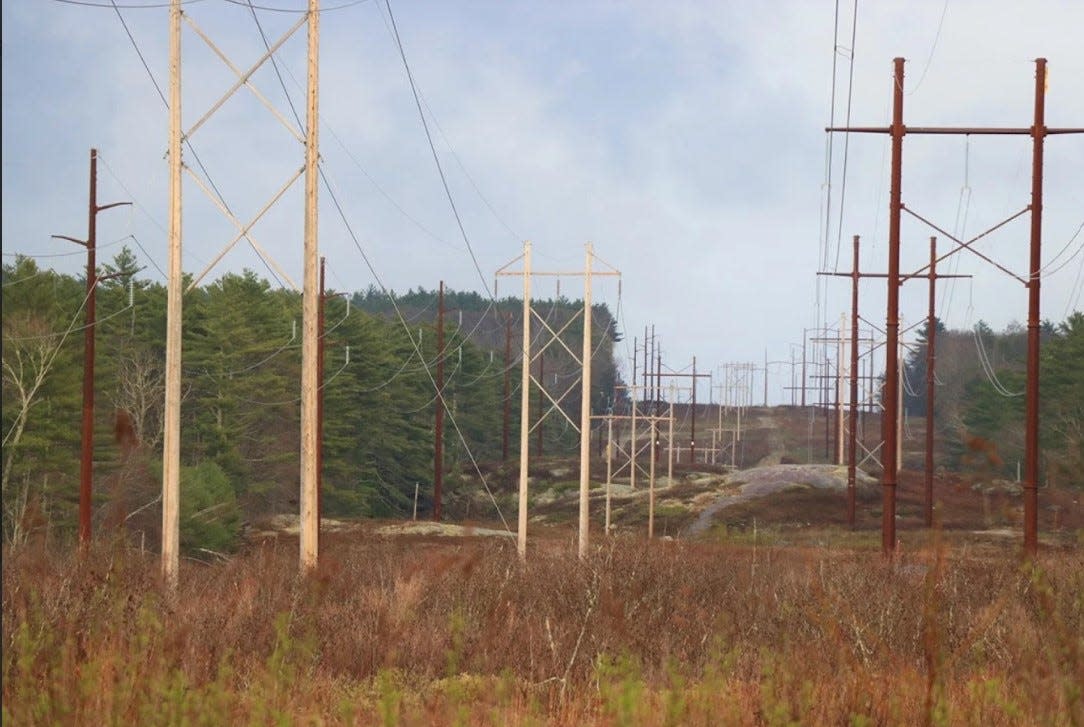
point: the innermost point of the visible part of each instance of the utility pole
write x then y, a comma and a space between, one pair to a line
805, 334
507, 385
321, 324
647, 365
86, 458
585, 405
171, 416
670, 440
524, 403
655, 405
931, 342
765, 378
651, 483
852, 449
609, 466
438, 429
692, 420
839, 388
309, 545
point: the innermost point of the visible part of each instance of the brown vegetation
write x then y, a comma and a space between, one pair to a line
423, 631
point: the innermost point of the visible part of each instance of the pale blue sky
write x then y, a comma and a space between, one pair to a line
685, 140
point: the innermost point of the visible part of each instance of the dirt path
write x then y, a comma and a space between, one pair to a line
706, 517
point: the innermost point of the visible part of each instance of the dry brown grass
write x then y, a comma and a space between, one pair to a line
458, 632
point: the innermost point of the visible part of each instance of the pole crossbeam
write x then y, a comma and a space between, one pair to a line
1038, 131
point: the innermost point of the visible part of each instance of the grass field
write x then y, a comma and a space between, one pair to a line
439, 631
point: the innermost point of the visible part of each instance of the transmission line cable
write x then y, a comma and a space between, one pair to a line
933, 48
399, 314
846, 136
65, 254
1046, 270
56, 349
297, 11
433, 149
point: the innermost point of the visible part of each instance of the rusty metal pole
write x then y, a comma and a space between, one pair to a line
1031, 406
86, 460
438, 436
321, 324
86, 455
852, 450
507, 386
931, 357
892, 324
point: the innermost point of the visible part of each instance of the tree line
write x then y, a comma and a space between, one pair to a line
979, 397
240, 408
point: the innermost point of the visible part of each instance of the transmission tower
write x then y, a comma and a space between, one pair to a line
178, 137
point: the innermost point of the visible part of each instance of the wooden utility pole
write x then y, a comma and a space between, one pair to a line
670, 439
852, 449
931, 342
86, 458
805, 335
585, 405
657, 385
321, 324
651, 481
171, 417
609, 466
309, 545
839, 388
765, 378
524, 403
438, 428
507, 386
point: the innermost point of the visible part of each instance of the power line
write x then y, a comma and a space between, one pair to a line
63, 254
1046, 270
933, 48
299, 11
399, 314
847, 136
148, 6
433, 149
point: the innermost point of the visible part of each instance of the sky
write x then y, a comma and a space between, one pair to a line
684, 140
